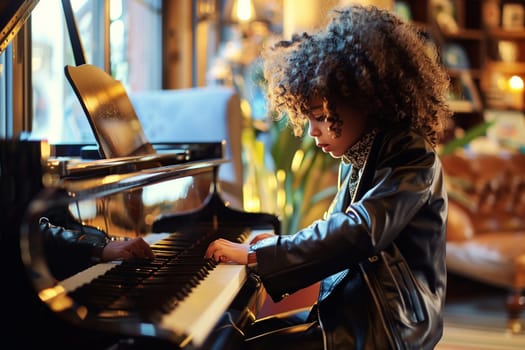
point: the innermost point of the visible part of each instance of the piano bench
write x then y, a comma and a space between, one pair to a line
302, 298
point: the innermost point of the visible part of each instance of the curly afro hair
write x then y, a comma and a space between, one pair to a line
367, 56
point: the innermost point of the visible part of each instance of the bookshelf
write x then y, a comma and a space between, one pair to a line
482, 44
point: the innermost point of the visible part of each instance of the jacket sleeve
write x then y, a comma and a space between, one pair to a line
69, 251
395, 185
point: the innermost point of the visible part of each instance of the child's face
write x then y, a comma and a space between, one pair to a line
354, 124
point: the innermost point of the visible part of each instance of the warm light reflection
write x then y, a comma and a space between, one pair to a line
288, 211
515, 83
45, 149
515, 87
110, 179
297, 160
251, 200
245, 107
281, 192
243, 10
49, 293
55, 298
281, 175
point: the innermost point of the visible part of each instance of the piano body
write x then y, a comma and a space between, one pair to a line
178, 300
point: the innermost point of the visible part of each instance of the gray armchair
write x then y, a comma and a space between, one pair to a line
202, 114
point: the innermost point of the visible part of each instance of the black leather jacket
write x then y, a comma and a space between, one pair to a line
368, 297
72, 249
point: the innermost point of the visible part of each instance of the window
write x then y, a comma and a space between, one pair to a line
131, 48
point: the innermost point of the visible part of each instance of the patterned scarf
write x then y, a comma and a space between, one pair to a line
356, 156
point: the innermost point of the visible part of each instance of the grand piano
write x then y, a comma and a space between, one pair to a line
178, 300
169, 194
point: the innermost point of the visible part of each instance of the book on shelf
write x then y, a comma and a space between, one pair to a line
461, 106
464, 95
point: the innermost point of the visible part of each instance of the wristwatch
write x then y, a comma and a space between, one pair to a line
252, 258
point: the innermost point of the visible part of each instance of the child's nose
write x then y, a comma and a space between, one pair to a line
313, 130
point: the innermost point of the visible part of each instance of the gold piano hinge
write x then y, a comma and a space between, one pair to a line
48, 294
185, 342
55, 298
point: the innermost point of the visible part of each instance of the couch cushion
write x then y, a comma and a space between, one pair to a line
200, 114
488, 257
459, 224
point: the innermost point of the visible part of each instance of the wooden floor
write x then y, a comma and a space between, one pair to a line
475, 318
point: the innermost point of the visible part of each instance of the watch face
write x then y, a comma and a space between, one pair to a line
455, 57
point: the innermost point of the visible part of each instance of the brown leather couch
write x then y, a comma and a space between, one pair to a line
486, 226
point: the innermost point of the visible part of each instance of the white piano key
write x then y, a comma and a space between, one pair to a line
199, 312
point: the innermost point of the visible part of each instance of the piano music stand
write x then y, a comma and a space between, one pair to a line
110, 112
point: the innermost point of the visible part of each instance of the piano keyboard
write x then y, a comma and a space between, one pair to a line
178, 291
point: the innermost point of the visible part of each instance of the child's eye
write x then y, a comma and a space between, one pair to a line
320, 118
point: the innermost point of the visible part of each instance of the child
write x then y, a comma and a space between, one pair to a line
370, 93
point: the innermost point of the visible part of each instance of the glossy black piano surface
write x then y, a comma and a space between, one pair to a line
178, 300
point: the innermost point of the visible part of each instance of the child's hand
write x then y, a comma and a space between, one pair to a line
223, 250
127, 249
